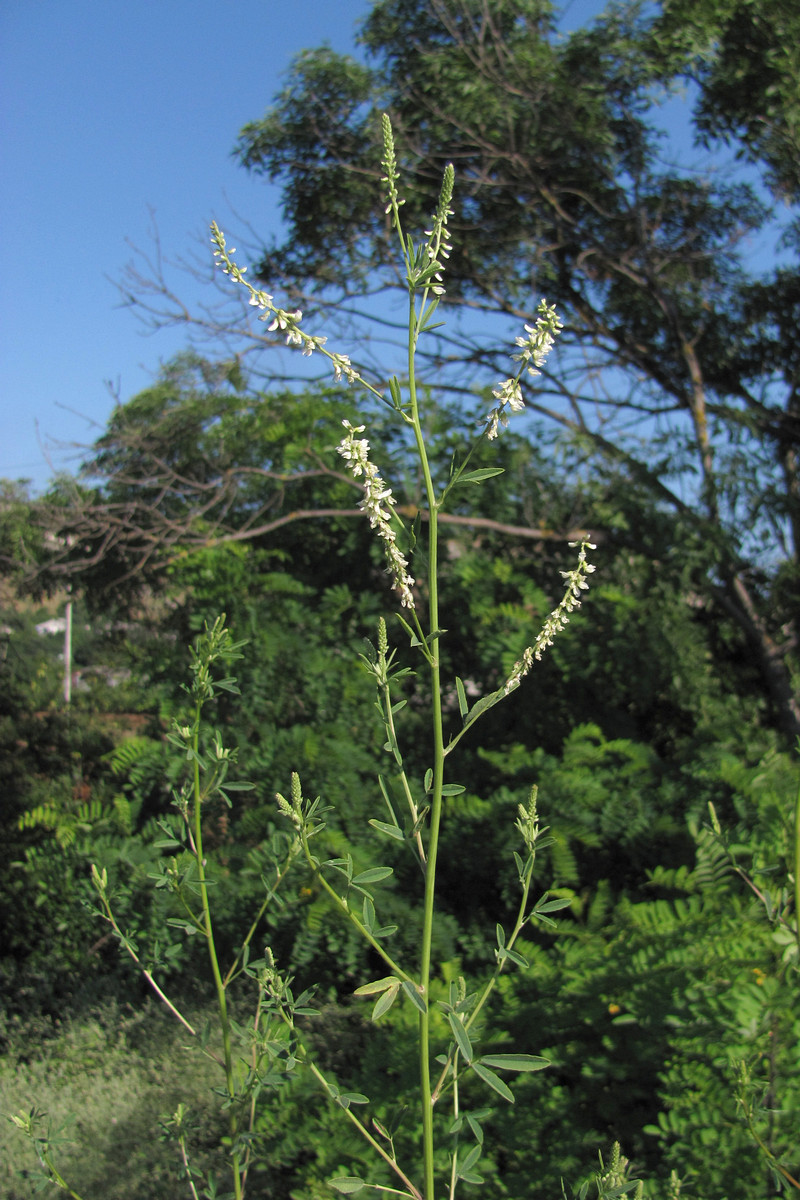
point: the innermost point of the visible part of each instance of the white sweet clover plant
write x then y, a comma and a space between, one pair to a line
272, 1043
425, 265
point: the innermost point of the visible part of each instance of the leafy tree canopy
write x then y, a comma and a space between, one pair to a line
745, 57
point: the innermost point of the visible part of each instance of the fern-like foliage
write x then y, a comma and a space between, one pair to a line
67, 823
713, 863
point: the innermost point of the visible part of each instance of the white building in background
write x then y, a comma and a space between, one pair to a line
53, 625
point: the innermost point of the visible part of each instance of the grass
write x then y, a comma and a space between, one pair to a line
107, 1079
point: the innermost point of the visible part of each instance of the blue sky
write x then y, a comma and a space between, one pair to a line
111, 108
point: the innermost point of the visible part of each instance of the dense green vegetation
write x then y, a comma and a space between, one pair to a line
660, 728
666, 969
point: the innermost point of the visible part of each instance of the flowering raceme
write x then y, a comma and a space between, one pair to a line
558, 619
378, 504
281, 319
438, 244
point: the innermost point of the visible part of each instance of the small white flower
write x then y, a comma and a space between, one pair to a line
285, 320
342, 366
493, 421
287, 323
260, 300
509, 394
281, 320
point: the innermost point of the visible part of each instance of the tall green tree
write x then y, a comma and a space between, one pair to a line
195, 461
682, 368
745, 59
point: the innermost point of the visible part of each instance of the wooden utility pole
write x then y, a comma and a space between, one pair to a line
68, 653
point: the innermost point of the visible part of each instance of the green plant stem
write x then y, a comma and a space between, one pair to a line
186, 1167
517, 930
125, 942
478, 441
365, 1133
392, 738
762, 1145
345, 908
255, 1063
438, 771
212, 954
302, 1055
454, 1166
57, 1178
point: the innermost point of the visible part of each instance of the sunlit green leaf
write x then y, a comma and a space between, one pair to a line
515, 1062
461, 1037
494, 1081
377, 985
392, 831
347, 1184
478, 476
373, 875
414, 996
385, 1002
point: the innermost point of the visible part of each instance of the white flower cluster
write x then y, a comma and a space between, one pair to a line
509, 393
558, 619
281, 319
534, 350
378, 504
541, 336
437, 287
